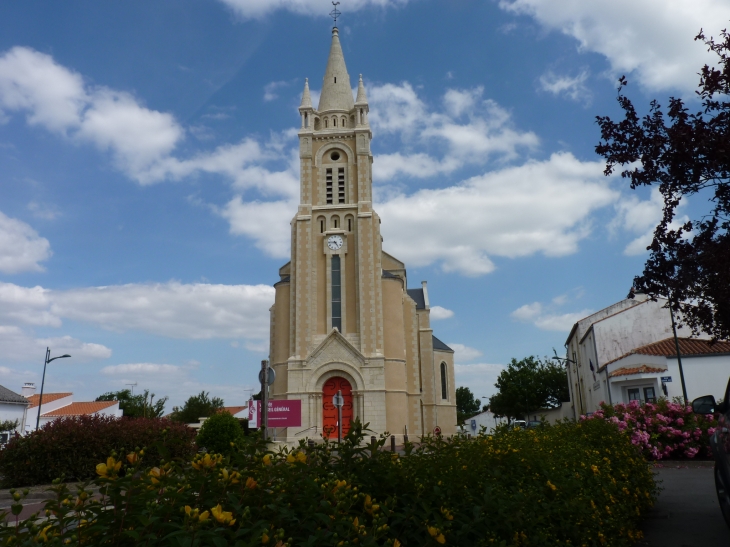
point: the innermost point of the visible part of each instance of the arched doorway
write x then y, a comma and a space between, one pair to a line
329, 411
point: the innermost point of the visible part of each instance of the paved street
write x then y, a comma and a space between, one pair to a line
687, 513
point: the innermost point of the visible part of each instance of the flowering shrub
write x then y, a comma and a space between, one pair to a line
571, 484
663, 429
72, 446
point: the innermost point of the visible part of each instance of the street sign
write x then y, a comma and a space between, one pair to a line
338, 400
437, 431
666, 379
272, 376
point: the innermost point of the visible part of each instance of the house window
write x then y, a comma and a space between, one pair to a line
341, 184
634, 394
328, 180
336, 294
649, 395
444, 386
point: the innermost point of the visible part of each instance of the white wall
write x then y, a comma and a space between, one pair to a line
707, 375
12, 412
483, 419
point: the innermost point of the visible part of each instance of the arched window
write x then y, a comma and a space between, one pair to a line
322, 225
334, 121
336, 294
306, 120
344, 121
335, 221
444, 386
325, 123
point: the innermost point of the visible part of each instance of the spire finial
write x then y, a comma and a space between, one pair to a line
335, 13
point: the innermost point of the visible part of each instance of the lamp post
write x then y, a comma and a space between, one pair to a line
565, 361
43, 381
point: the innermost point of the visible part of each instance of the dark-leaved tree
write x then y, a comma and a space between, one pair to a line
136, 406
196, 407
683, 154
466, 404
528, 386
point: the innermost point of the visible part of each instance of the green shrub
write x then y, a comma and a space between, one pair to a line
72, 446
571, 484
218, 432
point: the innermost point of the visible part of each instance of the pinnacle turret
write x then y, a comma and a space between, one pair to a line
306, 97
362, 97
336, 90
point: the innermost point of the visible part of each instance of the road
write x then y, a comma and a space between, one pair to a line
686, 513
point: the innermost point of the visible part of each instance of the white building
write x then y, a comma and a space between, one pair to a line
486, 420
57, 405
13, 407
629, 346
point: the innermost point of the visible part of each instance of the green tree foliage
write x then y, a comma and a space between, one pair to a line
527, 386
8, 425
196, 407
136, 406
218, 432
466, 404
683, 154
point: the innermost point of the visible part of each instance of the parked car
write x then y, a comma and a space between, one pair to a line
720, 442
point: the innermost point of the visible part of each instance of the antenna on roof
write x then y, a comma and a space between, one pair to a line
335, 13
134, 384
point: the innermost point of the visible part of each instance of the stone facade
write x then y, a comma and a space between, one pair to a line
343, 311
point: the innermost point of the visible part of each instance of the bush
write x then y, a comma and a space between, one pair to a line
570, 484
662, 430
72, 446
218, 432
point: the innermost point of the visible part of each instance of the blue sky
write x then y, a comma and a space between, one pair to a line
148, 173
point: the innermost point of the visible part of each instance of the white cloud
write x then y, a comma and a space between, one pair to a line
539, 207
21, 248
43, 211
142, 369
641, 217
470, 130
527, 312
266, 222
479, 378
438, 313
19, 345
254, 9
464, 353
571, 87
175, 310
653, 39
271, 90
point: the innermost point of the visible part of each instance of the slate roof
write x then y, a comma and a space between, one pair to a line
389, 275
641, 369
688, 347
7, 396
438, 345
78, 409
417, 296
47, 398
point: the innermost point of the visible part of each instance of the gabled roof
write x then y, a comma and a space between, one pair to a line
438, 345
8, 396
47, 398
79, 409
417, 296
688, 347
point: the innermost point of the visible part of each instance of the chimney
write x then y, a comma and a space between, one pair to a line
28, 389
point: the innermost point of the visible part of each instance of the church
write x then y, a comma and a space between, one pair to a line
343, 317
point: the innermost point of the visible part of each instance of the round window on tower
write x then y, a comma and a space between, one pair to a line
334, 156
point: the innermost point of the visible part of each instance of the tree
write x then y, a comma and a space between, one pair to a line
529, 385
466, 404
136, 406
684, 154
8, 425
218, 432
196, 407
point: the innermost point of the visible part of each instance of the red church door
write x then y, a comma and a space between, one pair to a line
329, 411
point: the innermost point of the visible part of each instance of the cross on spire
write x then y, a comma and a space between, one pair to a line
335, 13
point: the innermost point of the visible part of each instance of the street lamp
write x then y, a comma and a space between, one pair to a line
43, 381
564, 361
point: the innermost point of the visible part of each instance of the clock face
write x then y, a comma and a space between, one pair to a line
334, 242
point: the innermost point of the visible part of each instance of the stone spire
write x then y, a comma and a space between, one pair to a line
362, 97
306, 97
336, 90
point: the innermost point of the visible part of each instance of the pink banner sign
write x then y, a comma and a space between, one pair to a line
282, 413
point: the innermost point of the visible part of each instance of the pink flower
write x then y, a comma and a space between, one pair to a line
680, 421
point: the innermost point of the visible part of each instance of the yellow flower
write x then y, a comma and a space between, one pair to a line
155, 474
595, 470
187, 510
301, 457
355, 523
290, 458
368, 504
42, 534
109, 469
132, 458
396, 543
224, 517
267, 461
264, 539
446, 513
203, 516
250, 483
441, 539
552, 486
207, 461
433, 531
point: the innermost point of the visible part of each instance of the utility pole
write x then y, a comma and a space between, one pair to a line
264, 376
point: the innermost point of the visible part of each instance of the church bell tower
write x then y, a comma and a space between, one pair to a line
343, 318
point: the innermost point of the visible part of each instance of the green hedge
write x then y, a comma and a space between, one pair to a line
72, 446
571, 484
